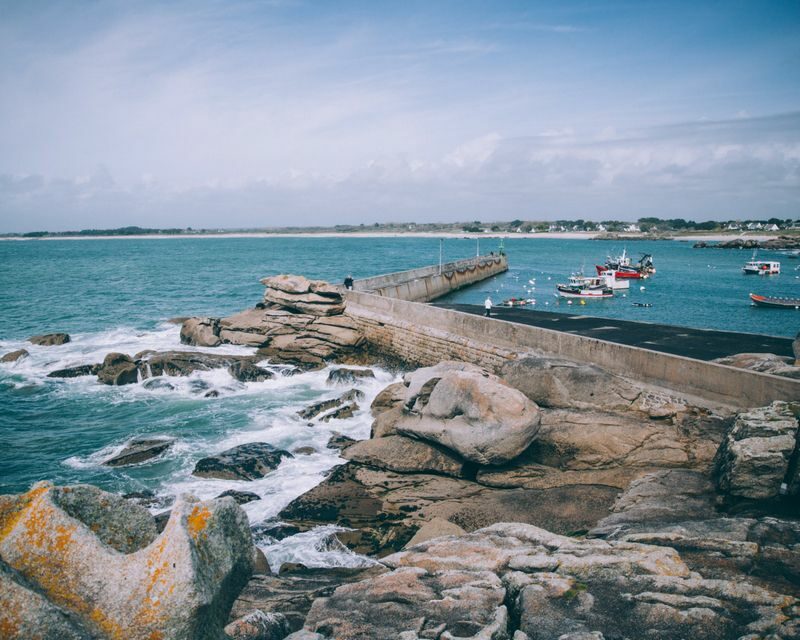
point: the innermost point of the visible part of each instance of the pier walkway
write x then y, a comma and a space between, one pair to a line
700, 344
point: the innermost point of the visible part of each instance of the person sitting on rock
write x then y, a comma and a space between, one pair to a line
348, 283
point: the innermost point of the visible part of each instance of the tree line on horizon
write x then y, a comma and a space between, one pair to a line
644, 225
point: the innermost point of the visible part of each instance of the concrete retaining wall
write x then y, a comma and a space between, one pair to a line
428, 283
425, 335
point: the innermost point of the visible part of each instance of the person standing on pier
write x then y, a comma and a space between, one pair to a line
488, 306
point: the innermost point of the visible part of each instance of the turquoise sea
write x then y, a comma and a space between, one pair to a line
116, 295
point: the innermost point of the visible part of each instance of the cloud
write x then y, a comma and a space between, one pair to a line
249, 114
737, 168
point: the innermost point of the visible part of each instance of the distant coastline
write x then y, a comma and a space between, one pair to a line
555, 235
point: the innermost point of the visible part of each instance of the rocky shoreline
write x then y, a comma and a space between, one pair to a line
779, 243
547, 499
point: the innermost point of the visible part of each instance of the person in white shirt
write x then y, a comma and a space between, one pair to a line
488, 306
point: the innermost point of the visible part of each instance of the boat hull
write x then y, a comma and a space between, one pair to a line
569, 292
622, 275
775, 303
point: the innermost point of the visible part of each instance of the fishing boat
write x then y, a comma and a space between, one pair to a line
613, 282
761, 267
580, 286
623, 268
775, 303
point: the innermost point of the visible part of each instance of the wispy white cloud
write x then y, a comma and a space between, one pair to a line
736, 168
254, 111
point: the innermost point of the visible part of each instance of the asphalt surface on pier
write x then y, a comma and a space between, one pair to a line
700, 344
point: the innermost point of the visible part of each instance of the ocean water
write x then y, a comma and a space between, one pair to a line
116, 295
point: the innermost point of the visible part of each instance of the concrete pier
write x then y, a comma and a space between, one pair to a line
388, 310
429, 283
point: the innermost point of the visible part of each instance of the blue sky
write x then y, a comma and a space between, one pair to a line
251, 114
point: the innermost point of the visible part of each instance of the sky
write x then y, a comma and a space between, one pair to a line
245, 114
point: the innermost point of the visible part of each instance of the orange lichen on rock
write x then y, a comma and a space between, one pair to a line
12, 510
197, 520
161, 590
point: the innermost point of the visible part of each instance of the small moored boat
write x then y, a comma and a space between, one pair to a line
761, 268
580, 286
776, 303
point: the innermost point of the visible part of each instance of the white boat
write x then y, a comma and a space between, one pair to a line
761, 267
612, 282
581, 286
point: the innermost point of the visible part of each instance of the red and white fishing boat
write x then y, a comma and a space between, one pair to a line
624, 270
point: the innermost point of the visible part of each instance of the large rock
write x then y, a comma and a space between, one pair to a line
140, 450
66, 544
346, 375
477, 415
118, 369
763, 363
184, 363
50, 339
13, 356
246, 371
286, 336
753, 461
200, 332
391, 397
611, 449
405, 455
300, 294
245, 462
564, 384
323, 406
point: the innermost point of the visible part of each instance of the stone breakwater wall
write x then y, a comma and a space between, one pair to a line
424, 335
428, 283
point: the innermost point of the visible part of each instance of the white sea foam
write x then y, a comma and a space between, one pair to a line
91, 348
316, 548
274, 420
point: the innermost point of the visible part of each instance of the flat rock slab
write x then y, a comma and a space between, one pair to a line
386, 508
467, 604
292, 594
140, 450
245, 462
50, 339
406, 455
75, 372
